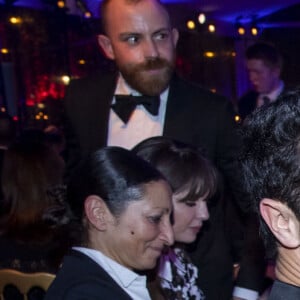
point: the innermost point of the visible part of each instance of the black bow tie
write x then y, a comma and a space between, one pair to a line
125, 104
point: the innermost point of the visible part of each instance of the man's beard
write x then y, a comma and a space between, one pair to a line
148, 84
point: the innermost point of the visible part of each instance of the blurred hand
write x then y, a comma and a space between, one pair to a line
236, 268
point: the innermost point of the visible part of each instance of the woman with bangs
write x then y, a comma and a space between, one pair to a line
193, 180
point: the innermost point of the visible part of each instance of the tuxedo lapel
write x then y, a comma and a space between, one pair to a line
101, 97
179, 113
173, 106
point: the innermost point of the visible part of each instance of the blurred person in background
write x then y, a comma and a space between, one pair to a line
31, 183
264, 64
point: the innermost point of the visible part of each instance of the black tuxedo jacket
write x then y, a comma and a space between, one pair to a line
81, 278
193, 115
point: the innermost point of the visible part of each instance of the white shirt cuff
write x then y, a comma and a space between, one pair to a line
245, 293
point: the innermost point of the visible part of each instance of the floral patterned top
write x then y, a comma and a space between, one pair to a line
179, 276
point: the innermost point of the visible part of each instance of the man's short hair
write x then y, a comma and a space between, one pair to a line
266, 52
271, 157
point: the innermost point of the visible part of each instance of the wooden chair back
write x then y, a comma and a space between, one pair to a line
24, 281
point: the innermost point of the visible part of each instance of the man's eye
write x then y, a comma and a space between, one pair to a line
132, 40
162, 36
191, 204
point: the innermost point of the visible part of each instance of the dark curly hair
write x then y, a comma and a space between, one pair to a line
271, 157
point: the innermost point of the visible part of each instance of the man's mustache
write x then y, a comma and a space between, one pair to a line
153, 64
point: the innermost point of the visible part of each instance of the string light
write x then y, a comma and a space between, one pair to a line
254, 30
4, 51
209, 54
15, 20
190, 24
65, 79
201, 18
211, 28
241, 30
60, 3
87, 15
237, 118
244, 28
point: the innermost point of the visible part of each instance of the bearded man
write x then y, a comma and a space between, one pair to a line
146, 98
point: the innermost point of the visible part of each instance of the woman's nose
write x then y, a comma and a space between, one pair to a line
167, 234
203, 211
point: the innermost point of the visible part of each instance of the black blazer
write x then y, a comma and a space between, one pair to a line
81, 278
247, 104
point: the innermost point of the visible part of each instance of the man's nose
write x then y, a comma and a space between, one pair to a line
150, 49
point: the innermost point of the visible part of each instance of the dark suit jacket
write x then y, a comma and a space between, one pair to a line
193, 115
247, 103
284, 291
81, 278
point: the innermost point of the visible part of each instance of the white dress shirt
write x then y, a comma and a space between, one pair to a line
141, 125
133, 284
273, 95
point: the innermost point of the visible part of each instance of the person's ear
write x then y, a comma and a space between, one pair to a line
175, 36
106, 46
97, 212
282, 222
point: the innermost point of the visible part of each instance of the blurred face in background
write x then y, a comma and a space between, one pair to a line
264, 78
140, 39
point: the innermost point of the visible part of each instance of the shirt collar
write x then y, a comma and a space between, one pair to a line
124, 275
273, 95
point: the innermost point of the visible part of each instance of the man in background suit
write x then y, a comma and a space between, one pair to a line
140, 39
264, 65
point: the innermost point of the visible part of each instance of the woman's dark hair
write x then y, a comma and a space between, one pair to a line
30, 170
116, 175
182, 165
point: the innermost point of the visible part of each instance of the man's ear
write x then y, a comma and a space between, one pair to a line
282, 222
97, 212
175, 36
106, 46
